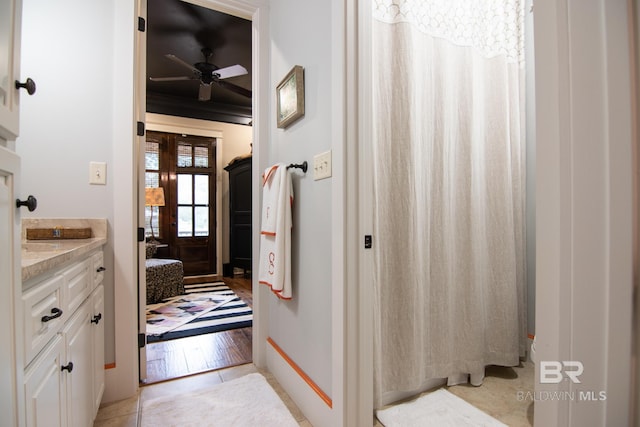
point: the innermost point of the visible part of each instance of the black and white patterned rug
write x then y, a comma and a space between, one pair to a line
205, 308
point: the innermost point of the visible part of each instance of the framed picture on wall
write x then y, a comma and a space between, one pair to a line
290, 97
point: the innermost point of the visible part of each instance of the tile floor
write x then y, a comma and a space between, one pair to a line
127, 413
502, 394
498, 396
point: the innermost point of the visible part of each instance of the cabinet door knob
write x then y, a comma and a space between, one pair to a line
29, 85
68, 367
96, 318
100, 269
55, 313
31, 203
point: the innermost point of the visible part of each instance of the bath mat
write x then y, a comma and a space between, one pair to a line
438, 409
212, 308
248, 401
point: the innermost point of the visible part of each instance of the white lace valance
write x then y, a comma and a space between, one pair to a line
494, 27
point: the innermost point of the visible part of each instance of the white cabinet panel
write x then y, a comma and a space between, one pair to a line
78, 358
78, 284
98, 346
10, 319
43, 315
10, 19
44, 388
97, 261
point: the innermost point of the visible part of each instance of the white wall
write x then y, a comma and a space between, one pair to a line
68, 122
301, 35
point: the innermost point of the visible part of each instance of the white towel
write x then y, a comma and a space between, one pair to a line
275, 231
270, 195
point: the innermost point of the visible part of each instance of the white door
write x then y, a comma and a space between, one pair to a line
140, 108
10, 284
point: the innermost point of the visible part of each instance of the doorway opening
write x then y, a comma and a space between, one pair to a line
186, 161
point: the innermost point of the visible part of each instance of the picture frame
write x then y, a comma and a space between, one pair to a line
290, 97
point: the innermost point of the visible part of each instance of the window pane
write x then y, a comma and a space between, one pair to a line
152, 179
184, 156
201, 157
202, 221
202, 190
185, 190
185, 221
152, 156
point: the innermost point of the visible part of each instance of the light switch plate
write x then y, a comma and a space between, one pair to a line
322, 165
97, 173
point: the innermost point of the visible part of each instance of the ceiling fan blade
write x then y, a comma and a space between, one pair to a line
169, 79
183, 63
234, 88
232, 71
204, 94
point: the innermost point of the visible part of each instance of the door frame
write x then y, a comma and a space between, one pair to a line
256, 11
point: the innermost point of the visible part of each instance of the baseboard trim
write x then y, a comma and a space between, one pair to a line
325, 398
312, 401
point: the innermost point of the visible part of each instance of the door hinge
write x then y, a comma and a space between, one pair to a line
142, 25
368, 241
142, 340
140, 129
140, 234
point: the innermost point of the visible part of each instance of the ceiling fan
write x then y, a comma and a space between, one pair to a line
208, 74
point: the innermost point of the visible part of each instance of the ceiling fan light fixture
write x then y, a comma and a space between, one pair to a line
208, 74
204, 94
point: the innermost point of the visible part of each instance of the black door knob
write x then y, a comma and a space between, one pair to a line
31, 203
68, 367
29, 85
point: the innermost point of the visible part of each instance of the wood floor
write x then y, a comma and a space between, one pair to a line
191, 355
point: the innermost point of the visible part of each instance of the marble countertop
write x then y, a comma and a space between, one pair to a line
40, 256
43, 255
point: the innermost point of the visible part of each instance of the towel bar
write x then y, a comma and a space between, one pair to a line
302, 166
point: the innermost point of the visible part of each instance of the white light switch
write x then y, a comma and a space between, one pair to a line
322, 165
98, 173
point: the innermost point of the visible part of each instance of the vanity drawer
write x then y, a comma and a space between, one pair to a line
43, 309
97, 261
78, 284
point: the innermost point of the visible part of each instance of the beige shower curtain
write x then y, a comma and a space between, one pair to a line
449, 199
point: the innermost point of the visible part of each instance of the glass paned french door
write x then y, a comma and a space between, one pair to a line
185, 167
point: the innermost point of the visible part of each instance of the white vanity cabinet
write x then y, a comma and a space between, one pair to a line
10, 22
64, 344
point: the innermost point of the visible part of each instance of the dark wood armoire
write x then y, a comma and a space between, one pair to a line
240, 214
